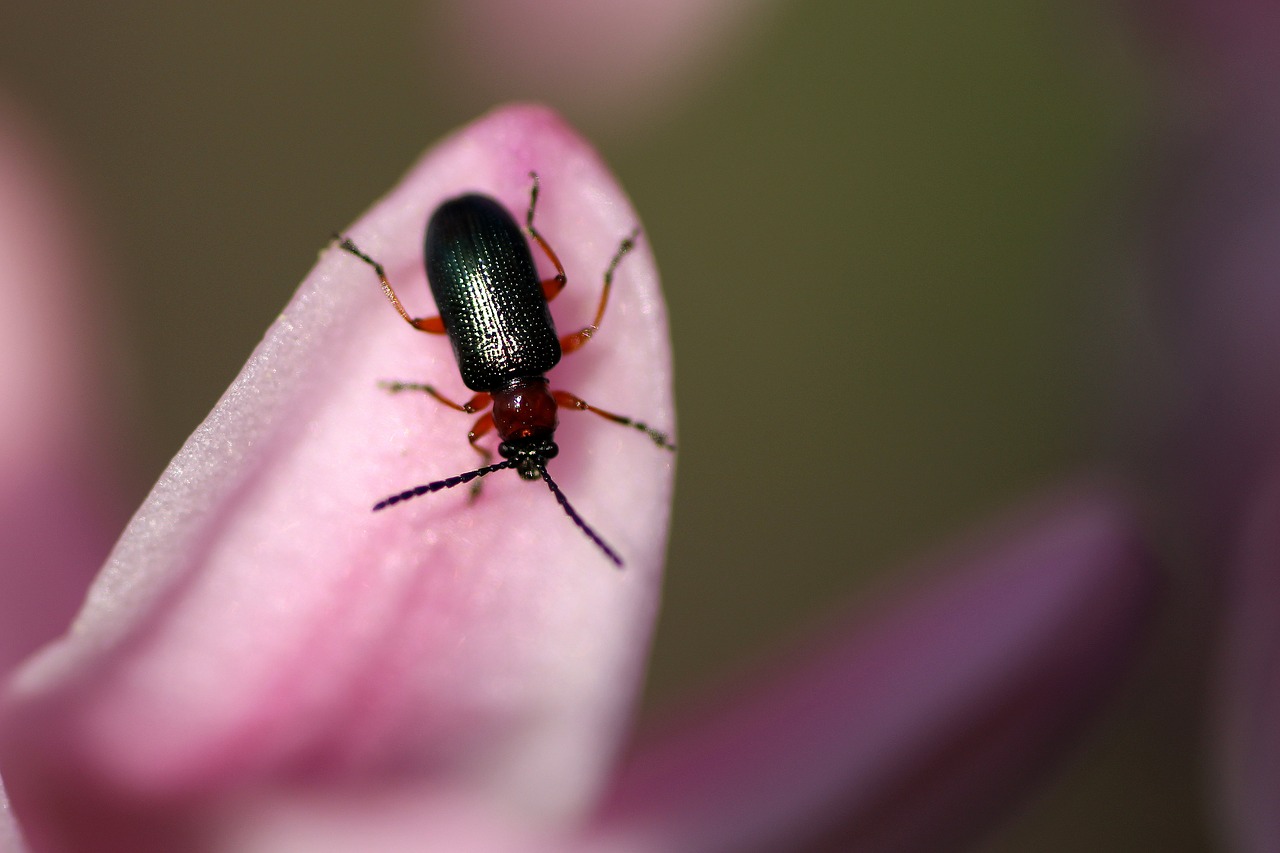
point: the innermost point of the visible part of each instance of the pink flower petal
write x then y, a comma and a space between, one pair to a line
403, 821
1250, 724
1211, 264
259, 628
1235, 41
907, 732
1206, 407
10, 837
56, 505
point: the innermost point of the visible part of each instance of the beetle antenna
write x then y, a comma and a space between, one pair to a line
447, 483
577, 519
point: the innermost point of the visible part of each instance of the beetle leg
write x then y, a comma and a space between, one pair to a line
551, 287
479, 430
569, 343
433, 325
571, 401
475, 404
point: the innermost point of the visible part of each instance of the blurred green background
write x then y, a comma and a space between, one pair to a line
883, 230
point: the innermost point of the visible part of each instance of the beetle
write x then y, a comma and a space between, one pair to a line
494, 309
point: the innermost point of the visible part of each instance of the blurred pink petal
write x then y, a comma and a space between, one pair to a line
259, 629
911, 730
1232, 42
402, 821
56, 508
10, 837
1211, 263
610, 59
1214, 261
1250, 731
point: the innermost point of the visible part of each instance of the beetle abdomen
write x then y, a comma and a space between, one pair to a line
488, 293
